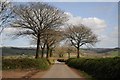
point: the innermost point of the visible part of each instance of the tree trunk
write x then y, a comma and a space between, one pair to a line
38, 44
68, 55
51, 53
42, 52
47, 55
78, 53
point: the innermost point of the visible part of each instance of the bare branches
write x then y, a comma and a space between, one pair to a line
80, 35
38, 18
50, 39
5, 14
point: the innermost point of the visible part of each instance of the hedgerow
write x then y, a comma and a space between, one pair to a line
101, 69
25, 63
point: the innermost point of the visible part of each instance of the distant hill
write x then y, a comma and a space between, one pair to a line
113, 52
7, 51
102, 50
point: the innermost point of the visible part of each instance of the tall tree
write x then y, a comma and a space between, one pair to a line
51, 38
80, 35
36, 18
5, 14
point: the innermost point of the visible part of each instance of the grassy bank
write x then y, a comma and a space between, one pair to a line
25, 63
100, 69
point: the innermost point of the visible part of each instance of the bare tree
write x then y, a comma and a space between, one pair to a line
5, 14
69, 50
50, 39
80, 35
60, 51
36, 18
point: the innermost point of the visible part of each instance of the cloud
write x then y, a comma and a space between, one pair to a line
9, 30
110, 40
7, 33
96, 24
99, 27
8, 40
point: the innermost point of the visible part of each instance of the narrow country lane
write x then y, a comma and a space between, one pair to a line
59, 70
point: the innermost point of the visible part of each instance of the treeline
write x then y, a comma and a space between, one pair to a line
100, 69
43, 24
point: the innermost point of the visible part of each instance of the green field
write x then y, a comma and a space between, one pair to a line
115, 53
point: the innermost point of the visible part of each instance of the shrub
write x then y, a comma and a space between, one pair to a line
101, 69
25, 63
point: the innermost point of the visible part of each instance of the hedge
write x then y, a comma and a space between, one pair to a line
25, 63
100, 69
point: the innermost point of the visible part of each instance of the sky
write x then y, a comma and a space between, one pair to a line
101, 17
65, 0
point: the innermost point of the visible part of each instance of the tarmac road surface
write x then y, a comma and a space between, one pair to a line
60, 70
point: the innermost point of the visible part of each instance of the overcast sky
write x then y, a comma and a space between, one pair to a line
101, 17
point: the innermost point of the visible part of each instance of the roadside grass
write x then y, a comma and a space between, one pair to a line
85, 75
51, 61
